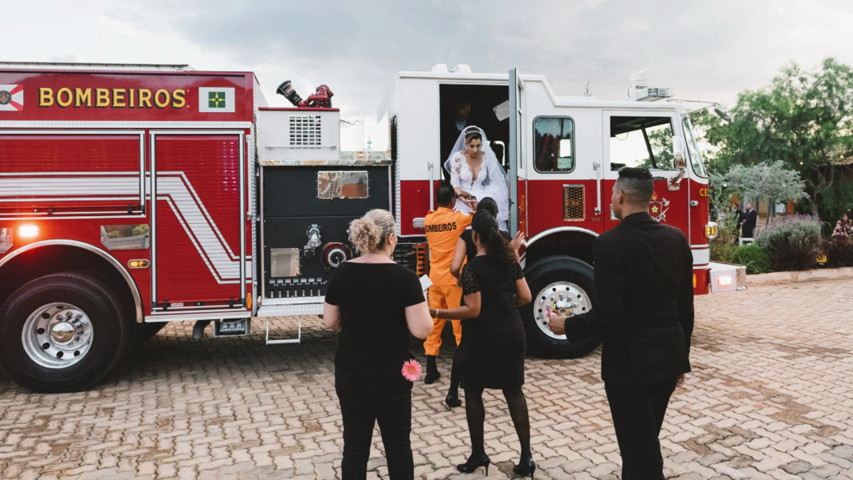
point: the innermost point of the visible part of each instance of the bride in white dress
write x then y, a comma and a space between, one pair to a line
476, 174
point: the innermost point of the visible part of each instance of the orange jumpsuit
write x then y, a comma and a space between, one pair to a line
443, 227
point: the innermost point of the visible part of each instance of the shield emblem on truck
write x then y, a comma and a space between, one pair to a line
658, 207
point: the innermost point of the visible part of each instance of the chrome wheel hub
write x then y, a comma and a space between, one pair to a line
62, 333
559, 298
57, 335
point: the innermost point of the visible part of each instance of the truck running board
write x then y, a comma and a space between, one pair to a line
290, 307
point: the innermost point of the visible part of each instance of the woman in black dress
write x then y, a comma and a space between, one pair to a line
466, 249
375, 303
493, 357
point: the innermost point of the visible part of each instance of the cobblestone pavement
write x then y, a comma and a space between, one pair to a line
770, 397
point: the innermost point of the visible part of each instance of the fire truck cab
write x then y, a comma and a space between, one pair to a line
132, 196
562, 156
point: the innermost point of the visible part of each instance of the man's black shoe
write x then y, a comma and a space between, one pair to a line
432, 370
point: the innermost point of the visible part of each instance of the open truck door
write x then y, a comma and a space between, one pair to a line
516, 91
560, 284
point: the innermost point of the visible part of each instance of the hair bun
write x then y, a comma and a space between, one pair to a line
370, 231
365, 235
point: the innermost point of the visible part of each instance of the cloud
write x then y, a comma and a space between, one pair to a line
705, 50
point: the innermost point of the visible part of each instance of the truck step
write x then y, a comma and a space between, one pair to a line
290, 307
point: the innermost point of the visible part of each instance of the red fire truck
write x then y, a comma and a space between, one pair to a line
134, 195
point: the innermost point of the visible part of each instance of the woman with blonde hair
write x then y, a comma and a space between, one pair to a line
375, 303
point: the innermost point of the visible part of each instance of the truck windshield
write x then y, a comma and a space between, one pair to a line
641, 141
693, 149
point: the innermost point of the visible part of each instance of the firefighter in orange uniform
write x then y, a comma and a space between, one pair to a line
443, 227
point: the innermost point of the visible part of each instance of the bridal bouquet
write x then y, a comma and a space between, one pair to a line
554, 309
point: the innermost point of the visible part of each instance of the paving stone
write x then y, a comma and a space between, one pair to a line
769, 397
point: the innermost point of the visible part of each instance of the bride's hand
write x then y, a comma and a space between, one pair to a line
472, 204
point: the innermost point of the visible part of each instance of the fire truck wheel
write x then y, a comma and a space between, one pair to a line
557, 283
61, 333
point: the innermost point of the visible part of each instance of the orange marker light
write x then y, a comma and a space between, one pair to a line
28, 231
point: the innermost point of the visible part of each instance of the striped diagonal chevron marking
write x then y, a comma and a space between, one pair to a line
188, 208
60, 187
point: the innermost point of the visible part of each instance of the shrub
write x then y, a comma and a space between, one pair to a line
723, 250
838, 251
753, 257
792, 242
724, 244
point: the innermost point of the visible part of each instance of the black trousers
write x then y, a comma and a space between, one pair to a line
362, 405
637, 416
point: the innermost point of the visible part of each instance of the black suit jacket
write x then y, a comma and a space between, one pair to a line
643, 302
751, 216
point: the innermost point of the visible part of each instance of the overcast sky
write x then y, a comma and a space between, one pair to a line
708, 50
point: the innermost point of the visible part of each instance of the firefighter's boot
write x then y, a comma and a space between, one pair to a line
432, 370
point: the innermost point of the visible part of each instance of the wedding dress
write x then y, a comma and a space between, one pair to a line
489, 182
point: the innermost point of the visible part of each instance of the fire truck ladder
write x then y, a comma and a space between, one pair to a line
289, 307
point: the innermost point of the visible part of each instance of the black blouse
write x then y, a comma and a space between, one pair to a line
372, 298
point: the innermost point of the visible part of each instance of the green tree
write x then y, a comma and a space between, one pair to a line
803, 119
772, 181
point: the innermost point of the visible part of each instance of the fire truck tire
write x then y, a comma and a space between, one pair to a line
562, 282
62, 333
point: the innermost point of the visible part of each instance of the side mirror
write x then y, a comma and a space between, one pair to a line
679, 153
722, 113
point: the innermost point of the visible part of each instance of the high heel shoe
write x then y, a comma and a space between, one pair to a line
525, 468
474, 462
452, 400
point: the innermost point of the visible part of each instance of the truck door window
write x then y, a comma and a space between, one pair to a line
553, 140
643, 142
693, 149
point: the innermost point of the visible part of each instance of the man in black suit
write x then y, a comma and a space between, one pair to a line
453, 122
643, 307
748, 222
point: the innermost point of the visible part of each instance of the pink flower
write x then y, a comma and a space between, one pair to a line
411, 370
